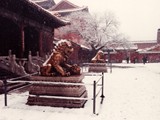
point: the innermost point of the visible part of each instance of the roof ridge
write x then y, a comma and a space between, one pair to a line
47, 12
70, 3
62, 2
71, 10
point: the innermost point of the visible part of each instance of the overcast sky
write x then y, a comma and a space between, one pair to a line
139, 19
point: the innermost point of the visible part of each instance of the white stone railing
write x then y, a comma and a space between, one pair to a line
9, 63
21, 66
31, 66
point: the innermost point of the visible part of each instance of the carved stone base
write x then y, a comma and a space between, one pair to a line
72, 79
97, 67
43, 94
54, 102
58, 90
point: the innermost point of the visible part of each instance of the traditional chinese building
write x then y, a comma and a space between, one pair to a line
119, 54
138, 50
149, 49
25, 26
62, 9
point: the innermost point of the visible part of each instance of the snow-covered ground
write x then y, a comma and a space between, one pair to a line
132, 92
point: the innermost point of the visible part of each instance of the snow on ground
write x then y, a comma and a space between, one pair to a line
132, 92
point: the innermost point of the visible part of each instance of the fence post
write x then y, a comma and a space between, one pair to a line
94, 97
110, 67
102, 95
5, 91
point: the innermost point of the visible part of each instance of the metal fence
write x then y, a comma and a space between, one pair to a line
99, 83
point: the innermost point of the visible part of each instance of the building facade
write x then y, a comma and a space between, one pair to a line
148, 49
25, 26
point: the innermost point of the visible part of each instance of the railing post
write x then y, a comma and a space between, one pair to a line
102, 95
94, 97
110, 67
5, 91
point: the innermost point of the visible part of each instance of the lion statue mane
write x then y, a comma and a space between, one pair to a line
56, 64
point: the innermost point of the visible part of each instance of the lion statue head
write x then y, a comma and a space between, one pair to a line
64, 47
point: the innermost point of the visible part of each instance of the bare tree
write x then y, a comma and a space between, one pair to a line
120, 40
98, 32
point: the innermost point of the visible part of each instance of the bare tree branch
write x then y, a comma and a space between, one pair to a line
98, 32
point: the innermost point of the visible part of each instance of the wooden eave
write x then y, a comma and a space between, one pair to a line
29, 10
68, 11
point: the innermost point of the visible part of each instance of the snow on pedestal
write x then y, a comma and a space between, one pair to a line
97, 67
45, 94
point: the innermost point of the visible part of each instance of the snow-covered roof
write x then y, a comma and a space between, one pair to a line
45, 3
71, 10
32, 11
144, 41
148, 52
125, 48
65, 7
153, 49
63, 4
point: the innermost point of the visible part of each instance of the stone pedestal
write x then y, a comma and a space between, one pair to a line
97, 67
44, 94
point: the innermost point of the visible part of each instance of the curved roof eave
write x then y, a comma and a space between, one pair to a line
73, 10
44, 11
29, 10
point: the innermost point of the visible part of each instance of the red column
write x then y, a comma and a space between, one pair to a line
22, 42
40, 43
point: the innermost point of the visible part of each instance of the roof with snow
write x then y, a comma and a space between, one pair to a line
29, 10
153, 49
144, 44
64, 4
134, 47
45, 3
67, 11
65, 7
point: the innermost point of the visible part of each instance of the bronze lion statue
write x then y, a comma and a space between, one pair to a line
99, 57
56, 64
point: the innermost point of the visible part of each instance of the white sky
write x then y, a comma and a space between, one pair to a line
139, 19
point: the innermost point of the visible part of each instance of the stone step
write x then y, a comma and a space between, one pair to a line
54, 102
